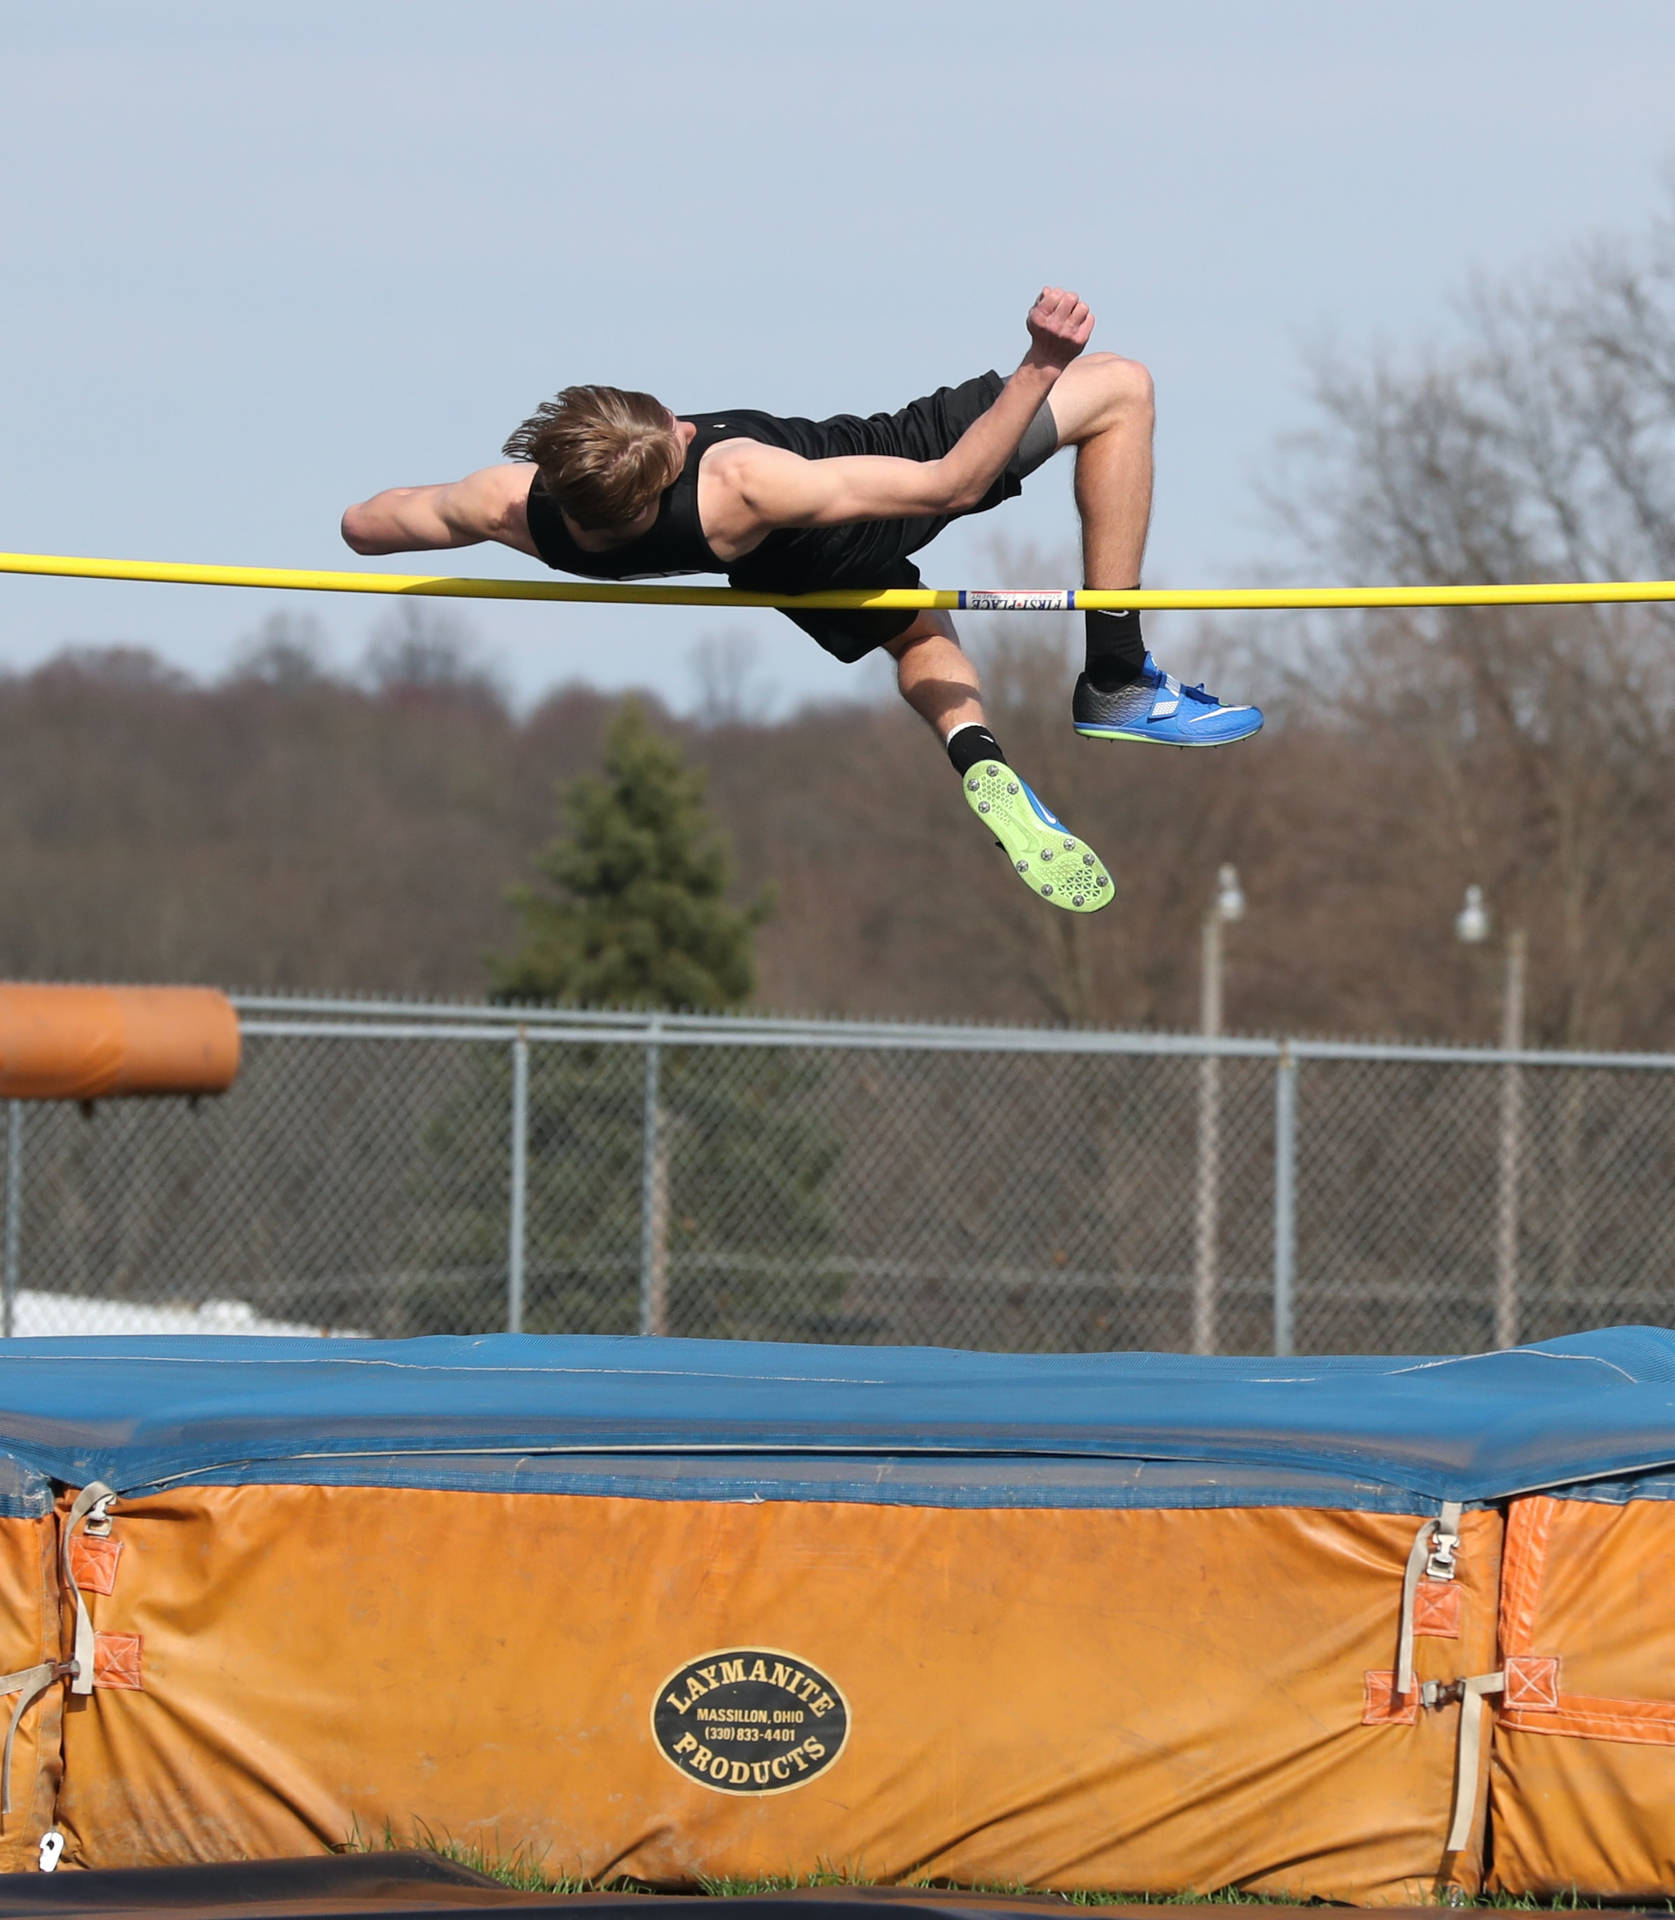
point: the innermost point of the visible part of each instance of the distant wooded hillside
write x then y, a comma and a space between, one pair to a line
291, 829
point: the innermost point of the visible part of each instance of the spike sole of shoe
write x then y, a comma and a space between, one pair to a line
1089, 732
1045, 854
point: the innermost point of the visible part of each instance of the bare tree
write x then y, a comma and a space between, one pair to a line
1540, 446
727, 675
419, 649
286, 650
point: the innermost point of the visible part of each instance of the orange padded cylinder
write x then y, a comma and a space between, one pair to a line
90, 1043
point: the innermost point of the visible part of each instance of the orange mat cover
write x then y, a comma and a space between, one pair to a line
1583, 1781
31, 1631
1113, 1699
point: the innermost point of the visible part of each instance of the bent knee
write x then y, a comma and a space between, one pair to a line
1127, 383
1098, 392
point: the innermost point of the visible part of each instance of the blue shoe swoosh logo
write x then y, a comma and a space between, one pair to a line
1052, 820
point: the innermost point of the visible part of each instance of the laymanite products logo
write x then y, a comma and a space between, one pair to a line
750, 1720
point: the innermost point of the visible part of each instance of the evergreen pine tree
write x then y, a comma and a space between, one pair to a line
636, 914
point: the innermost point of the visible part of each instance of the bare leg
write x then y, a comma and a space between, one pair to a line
1103, 408
935, 677
940, 684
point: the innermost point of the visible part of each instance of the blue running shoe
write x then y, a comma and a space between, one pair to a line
1157, 707
1045, 854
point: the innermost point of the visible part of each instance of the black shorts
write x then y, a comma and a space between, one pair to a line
874, 553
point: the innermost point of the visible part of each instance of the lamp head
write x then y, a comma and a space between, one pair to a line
1471, 923
1230, 899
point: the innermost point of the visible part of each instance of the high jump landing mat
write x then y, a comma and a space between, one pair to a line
1347, 1628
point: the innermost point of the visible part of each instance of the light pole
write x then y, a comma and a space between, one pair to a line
1227, 906
1472, 928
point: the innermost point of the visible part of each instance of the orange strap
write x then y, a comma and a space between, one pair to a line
1534, 1701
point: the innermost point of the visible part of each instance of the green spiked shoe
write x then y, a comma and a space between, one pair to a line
1045, 855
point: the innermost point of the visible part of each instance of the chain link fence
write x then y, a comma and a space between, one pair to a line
391, 1169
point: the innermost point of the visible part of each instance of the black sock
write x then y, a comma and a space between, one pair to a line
971, 743
1116, 653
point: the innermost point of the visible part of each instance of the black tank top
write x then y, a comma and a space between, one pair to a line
674, 542
790, 559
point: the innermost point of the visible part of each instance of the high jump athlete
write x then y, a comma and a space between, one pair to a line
612, 485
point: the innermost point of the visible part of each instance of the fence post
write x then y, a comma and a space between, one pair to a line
1512, 1100
1208, 1211
654, 1276
1285, 1199
14, 1218
515, 1225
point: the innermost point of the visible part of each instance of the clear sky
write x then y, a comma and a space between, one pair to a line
257, 261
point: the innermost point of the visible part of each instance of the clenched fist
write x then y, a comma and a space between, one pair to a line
1060, 326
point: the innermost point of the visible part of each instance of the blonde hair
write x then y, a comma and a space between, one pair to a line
604, 454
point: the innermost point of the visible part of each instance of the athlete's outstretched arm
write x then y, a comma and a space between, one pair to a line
783, 490
490, 504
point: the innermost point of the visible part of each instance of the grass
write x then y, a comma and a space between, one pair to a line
1006, 1889
520, 1869
524, 1871
527, 1873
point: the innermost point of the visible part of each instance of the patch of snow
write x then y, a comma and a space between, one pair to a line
54, 1315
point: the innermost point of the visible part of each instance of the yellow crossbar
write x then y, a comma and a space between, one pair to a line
892, 599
